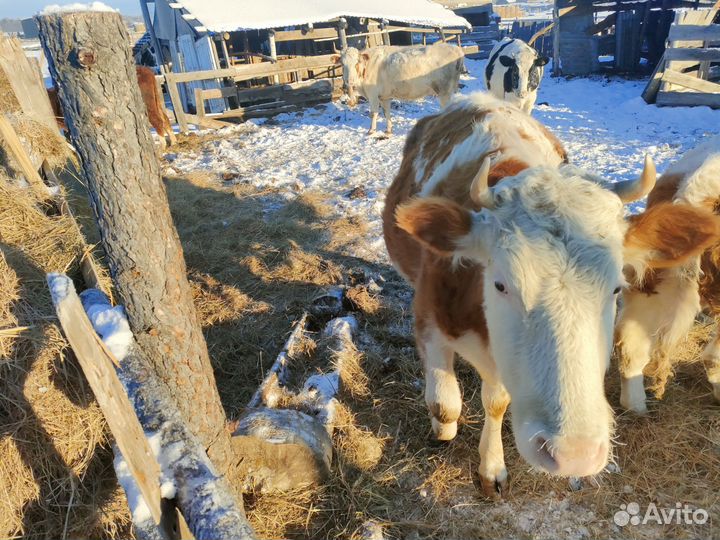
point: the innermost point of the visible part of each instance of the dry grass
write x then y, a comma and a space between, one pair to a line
55, 464
280, 253
256, 259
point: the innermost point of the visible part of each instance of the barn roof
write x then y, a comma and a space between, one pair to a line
232, 15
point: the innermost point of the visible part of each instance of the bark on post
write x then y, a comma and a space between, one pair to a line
89, 57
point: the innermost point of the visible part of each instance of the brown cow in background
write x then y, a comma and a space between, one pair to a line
153, 100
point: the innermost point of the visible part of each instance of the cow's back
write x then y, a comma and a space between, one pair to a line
416, 71
444, 152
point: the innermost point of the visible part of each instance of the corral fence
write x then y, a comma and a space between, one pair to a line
266, 85
689, 71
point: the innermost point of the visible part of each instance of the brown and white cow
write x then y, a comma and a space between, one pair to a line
153, 100
382, 73
516, 260
666, 294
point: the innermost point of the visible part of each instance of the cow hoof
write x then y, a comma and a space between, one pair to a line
492, 488
370, 131
444, 431
632, 394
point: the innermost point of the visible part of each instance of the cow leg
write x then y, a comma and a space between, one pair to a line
442, 393
653, 325
711, 361
635, 349
374, 110
495, 399
171, 136
493, 473
386, 109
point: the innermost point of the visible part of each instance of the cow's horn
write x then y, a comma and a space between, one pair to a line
335, 49
632, 190
479, 190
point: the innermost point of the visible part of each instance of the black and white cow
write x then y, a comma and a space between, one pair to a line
514, 71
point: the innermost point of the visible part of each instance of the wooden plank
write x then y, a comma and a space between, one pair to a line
297, 35
223, 92
688, 81
470, 49
18, 152
180, 114
206, 122
651, 90
255, 71
695, 32
688, 99
699, 55
200, 102
97, 363
26, 82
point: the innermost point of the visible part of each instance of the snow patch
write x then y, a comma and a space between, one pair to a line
60, 286
138, 507
112, 326
76, 6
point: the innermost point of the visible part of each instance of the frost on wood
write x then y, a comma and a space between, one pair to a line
200, 493
293, 446
109, 322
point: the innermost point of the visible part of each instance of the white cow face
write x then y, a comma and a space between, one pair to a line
516, 67
353, 64
551, 244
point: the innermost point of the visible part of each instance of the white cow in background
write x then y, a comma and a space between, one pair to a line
382, 73
513, 73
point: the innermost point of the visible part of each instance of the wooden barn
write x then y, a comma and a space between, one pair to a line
626, 36
243, 58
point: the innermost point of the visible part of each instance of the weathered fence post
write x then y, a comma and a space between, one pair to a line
89, 57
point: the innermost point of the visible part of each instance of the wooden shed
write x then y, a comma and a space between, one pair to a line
626, 36
243, 58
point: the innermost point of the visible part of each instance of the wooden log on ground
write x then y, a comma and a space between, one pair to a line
89, 57
278, 371
286, 448
200, 493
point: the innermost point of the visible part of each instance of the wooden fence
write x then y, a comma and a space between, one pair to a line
293, 82
681, 77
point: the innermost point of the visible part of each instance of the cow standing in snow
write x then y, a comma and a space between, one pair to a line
382, 73
513, 73
517, 261
667, 292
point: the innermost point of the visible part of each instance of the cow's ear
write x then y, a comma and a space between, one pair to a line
668, 235
365, 57
439, 224
541, 60
335, 59
506, 61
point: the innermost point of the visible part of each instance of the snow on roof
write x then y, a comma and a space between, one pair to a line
231, 15
93, 6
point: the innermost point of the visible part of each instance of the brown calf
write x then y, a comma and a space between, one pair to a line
154, 105
665, 295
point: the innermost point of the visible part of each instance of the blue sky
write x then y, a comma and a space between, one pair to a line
20, 9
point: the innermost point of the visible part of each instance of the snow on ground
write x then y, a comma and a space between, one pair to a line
605, 125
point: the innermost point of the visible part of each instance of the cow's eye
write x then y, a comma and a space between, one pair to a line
617, 290
500, 287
